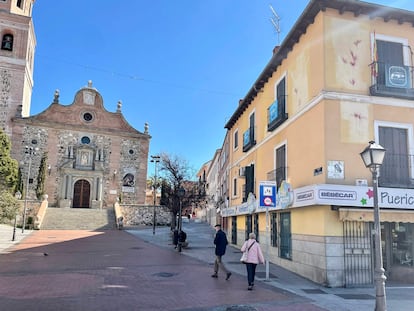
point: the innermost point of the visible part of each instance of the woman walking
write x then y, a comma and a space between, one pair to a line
254, 256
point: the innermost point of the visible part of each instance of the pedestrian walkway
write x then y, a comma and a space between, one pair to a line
6, 236
113, 270
136, 270
201, 235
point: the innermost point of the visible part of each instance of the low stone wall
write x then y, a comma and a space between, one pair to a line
136, 215
41, 213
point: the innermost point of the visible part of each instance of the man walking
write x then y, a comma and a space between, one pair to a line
220, 240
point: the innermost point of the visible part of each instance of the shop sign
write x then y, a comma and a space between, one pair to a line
285, 195
356, 196
230, 211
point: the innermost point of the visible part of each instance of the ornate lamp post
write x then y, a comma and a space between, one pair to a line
30, 151
373, 156
155, 159
180, 193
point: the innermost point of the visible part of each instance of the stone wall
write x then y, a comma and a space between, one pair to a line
136, 215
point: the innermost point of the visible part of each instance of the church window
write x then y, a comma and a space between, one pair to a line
87, 116
20, 3
85, 140
7, 42
131, 151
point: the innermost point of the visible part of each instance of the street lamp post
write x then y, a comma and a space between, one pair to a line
180, 193
30, 151
155, 159
373, 156
18, 196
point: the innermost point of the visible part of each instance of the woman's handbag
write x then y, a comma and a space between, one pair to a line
244, 255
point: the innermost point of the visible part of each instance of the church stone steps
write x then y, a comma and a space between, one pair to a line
78, 219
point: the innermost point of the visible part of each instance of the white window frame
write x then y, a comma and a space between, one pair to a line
234, 192
283, 143
236, 134
405, 126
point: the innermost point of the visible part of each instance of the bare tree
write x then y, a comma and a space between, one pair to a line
174, 170
176, 174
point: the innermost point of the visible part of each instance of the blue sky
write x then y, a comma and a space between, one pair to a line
181, 65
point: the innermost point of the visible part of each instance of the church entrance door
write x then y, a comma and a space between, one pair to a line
81, 194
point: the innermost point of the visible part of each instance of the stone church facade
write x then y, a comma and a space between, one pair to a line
93, 157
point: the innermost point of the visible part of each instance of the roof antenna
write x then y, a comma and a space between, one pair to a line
275, 22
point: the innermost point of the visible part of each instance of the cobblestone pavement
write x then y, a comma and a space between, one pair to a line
136, 270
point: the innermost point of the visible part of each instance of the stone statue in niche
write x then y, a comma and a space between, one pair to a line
84, 158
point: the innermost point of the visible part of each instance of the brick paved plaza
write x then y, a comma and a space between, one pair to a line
136, 270
113, 270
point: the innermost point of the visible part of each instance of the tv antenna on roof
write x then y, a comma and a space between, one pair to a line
275, 21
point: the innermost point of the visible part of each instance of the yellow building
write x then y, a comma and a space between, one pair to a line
341, 78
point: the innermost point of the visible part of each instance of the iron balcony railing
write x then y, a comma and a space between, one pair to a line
397, 171
276, 115
249, 138
277, 175
392, 80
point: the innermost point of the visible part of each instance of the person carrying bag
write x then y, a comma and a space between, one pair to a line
243, 259
253, 255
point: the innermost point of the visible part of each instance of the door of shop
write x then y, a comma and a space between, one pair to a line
398, 251
234, 229
285, 236
358, 244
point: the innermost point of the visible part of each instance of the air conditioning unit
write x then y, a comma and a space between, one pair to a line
242, 171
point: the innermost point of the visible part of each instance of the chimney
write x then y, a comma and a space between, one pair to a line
276, 49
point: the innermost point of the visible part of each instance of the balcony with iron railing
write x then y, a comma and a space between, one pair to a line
397, 171
277, 175
249, 139
276, 115
392, 80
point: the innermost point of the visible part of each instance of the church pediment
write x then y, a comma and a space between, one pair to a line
87, 112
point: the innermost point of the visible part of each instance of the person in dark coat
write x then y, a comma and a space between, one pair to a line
220, 240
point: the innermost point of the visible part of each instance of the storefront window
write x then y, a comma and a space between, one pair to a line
402, 243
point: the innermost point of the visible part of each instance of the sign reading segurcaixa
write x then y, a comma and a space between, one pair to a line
357, 196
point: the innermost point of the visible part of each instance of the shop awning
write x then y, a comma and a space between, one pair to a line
355, 214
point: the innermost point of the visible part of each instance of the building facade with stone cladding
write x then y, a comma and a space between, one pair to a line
94, 157
17, 48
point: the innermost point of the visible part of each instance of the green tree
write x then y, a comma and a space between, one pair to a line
8, 165
41, 177
9, 206
20, 183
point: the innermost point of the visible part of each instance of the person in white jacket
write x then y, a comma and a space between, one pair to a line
254, 257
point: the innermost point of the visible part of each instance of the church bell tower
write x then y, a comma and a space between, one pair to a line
17, 48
